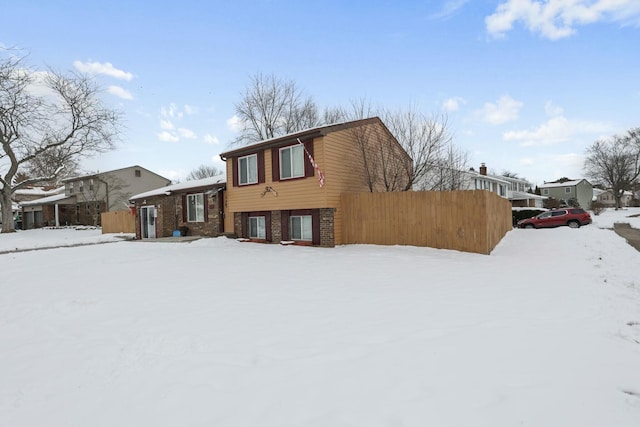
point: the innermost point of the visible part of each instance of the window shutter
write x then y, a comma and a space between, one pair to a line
284, 226
267, 226
260, 166
205, 200
308, 167
275, 164
244, 218
315, 226
184, 208
234, 170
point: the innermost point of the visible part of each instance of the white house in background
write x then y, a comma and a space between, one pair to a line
606, 197
514, 189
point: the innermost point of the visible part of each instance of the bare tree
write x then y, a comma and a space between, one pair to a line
43, 130
272, 107
615, 162
449, 171
203, 171
102, 192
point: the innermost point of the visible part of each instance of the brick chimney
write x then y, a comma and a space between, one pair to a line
483, 169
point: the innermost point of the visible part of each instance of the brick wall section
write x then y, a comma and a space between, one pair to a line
237, 224
327, 238
276, 226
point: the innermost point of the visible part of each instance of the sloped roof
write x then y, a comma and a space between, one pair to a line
47, 200
215, 181
307, 133
563, 184
97, 174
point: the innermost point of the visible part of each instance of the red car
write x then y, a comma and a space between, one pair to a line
573, 217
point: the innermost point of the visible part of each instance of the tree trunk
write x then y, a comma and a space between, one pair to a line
7, 212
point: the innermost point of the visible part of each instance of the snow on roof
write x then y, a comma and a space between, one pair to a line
38, 191
521, 195
46, 200
561, 184
205, 182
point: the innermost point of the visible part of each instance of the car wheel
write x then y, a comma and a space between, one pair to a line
574, 224
529, 226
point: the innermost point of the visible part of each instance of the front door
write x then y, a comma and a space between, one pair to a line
148, 222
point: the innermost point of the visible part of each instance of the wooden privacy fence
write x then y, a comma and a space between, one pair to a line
469, 221
118, 222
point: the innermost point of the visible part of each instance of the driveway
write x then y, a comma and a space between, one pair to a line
632, 235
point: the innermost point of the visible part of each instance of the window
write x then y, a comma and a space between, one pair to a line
71, 187
300, 228
87, 209
545, 191
502, 191
81, 186
91, 185
567, 190
291, 162
257, 227
195, 207
248, 170
137, 173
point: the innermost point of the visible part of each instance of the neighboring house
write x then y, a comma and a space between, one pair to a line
193, 207
26, 194
86, 197
274, 193
607, 199
580, 189
514, 189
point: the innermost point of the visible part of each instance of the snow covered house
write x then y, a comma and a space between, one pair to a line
514, 189
607, 199
275, 193
192, 207
579, 189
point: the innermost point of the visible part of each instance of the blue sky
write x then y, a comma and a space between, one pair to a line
527, 85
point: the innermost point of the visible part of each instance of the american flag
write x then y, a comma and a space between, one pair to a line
314, 164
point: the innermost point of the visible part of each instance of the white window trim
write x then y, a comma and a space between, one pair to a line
567, 190
195, 196
303, 238
290, 149
247, 163
545, 191
258, 219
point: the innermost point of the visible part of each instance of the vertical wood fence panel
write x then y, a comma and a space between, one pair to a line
469, 221
118, 222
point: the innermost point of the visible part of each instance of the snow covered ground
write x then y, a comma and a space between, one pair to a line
544, 331
50, 237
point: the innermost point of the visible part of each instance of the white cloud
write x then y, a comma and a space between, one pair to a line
190, 109
187, 133
234, 124
102, 68
556, 130
504, 110
453, 104
119, 92
210, 139
553, 110
167, 125
556, 19
171, 111
168, 137
449, 8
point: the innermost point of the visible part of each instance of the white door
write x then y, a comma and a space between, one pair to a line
148, 222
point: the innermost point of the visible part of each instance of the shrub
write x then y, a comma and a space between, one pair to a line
597, 207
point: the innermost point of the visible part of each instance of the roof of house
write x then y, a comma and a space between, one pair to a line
210, 182
46, 200
38, 191
523, 195
304, 134
495, 178
74, 178
563, 184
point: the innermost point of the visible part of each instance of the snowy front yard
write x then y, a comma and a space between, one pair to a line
544, 332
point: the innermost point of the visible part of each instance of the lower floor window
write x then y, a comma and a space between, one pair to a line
257, 227
300, 227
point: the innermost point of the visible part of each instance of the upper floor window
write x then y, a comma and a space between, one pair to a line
291, 162
137, 173
502, 191
567, 190
71, 187
81, 186
248, 169
195, 207
545, 191
91, 185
